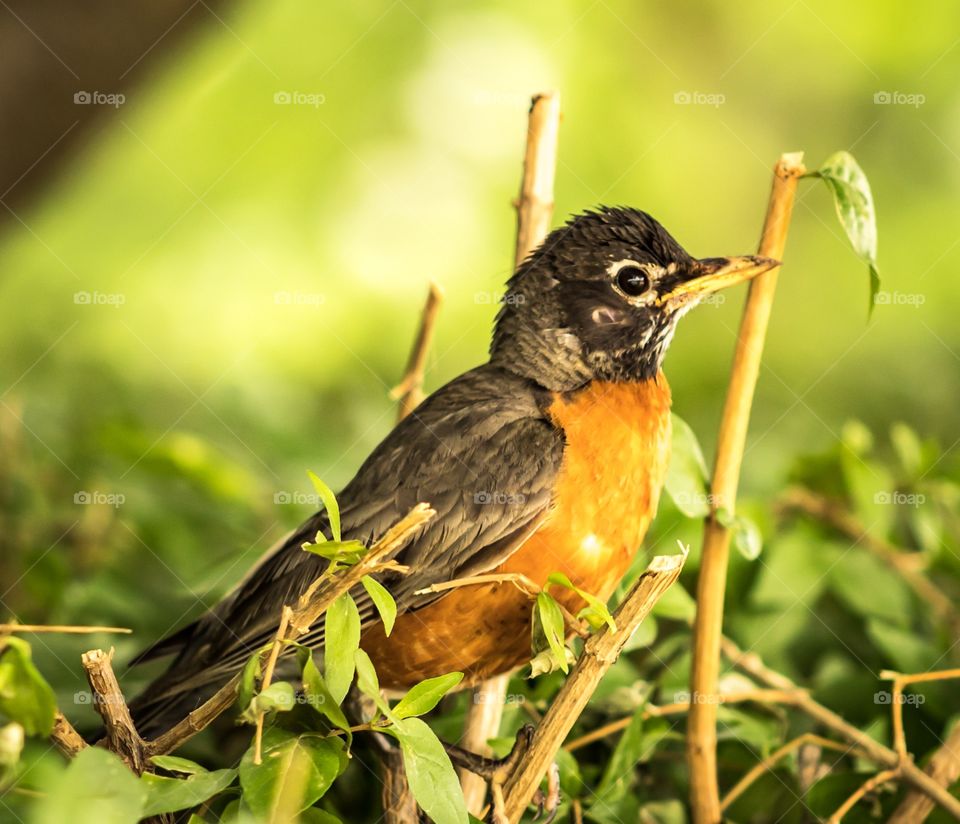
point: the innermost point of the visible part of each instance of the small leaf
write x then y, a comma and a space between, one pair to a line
686, 482
167, 795
278, 697
747, 538
96, 788
25, 696
675, 604
366, 675
383, 601
248, 681
620, 770
174, 763
908, 448
329, 503
296, 771
346, 553
318, 696
342, 633
549, 629
854, 202
11, 745
596, 612
430, 774
424, 696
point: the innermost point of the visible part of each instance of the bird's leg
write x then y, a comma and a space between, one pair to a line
494, 770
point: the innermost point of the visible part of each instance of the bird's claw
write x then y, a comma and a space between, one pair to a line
548, 801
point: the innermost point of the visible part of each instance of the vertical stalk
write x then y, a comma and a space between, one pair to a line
711, 583
534, 213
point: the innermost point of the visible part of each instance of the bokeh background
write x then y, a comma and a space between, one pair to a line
209, 286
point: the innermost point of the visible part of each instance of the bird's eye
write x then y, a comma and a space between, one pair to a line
632, 281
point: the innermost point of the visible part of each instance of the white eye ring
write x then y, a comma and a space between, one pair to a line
650, 271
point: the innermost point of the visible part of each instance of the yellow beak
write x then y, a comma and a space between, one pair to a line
713, 274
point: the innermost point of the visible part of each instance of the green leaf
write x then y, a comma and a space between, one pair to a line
747, 538
854, 202
686, 482
595, 613
675, 604
383, 601
318, 696
96, 788
549, 628
174, 763
25, 696
278, 697
342, 628
423, 697
329, 503
619, 772
431, 776
908, 448
248, 681
11, 745
346, 553
367, 679
870, 588
167, 795
296, 771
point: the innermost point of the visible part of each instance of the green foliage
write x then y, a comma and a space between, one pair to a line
342, 627
423, 697
25, 696
167, 795
854, 202
382, 600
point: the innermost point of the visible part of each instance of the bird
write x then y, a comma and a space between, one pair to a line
550, 457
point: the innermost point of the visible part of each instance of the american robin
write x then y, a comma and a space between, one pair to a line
548, 458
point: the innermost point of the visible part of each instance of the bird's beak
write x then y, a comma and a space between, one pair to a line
713, 274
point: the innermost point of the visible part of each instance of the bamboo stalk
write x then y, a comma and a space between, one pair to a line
534, 214
711, 582
599, 653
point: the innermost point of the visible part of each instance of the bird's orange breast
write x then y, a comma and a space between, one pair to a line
614, 465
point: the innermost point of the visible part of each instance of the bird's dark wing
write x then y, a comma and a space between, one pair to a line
480, 451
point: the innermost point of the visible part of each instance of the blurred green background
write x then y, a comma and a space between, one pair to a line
217, 291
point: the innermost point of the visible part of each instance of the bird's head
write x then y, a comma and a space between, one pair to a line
599, 299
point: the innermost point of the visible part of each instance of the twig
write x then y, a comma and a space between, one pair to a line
896, 699
711, 582
803, 500
944, 768
310, 606
757, 696
867, 786
775, 757
122, 735
410, 389
60, 628
599, 653
885, 757
534, 214
65, 737
278, 642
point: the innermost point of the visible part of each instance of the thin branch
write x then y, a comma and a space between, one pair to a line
599, 653
756, 696
897, 701
310, 606
751, 664
60, 628
866, 787
534, 215
944, 768
122, 735
65, 737
771, 761
711, 581
410, 389
278, 642
800, 499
